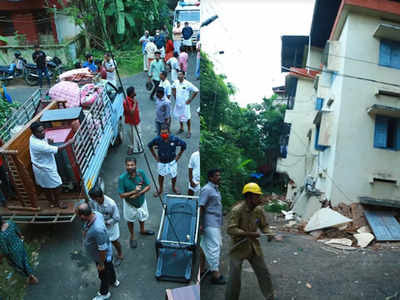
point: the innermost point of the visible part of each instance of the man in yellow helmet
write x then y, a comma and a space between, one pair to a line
246, 218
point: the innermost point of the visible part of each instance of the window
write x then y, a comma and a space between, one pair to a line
7, 25
316, 145
387, 133
319, 102
188, 16
389, 54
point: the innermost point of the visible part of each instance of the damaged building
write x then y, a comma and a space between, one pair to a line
343, 107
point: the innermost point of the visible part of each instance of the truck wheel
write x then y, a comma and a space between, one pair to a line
119, 139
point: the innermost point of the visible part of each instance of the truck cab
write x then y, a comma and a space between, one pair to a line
188, 11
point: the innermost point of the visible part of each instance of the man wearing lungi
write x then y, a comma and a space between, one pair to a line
44, 164
166, 158
109, 209
132, 185
184, 92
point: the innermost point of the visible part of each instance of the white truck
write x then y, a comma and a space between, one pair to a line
188, 11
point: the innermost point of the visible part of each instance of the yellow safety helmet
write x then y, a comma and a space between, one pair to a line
252, 188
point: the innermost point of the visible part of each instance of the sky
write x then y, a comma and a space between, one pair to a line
249, 32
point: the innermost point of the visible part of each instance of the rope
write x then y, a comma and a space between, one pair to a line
137, 131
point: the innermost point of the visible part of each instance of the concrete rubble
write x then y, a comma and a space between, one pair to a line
324, 218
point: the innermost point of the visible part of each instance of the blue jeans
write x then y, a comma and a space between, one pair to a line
46, 74
197, 72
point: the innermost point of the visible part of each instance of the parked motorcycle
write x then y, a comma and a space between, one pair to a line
15, 70
54, 67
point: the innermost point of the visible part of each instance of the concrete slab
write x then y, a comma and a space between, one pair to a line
364, 239
325, 218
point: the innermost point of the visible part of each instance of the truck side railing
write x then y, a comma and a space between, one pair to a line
92, 139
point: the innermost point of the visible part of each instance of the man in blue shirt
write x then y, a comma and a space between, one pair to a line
187, 33
98, 247
166, 158
89, 63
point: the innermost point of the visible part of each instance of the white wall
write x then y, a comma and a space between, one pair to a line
353, 159
299, 159
66, 28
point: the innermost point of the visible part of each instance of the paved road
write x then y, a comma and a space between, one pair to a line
64, 270
332, 274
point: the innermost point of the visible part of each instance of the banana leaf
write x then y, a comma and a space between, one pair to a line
121, 23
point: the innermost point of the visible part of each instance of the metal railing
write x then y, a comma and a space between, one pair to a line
90, 133
21, 116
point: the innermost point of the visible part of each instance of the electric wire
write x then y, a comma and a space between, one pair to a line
137, 131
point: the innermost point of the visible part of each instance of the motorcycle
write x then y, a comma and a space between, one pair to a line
14, 70
54, 67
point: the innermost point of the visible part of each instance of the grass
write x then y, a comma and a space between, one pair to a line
12, 283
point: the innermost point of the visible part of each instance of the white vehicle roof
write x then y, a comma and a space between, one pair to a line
189, 7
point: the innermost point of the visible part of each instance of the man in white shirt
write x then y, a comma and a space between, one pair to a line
177, 36
44, 164
194, 173
174, 65
109, 65
164, 83
184, 92
150, 50
143, 41
109, 209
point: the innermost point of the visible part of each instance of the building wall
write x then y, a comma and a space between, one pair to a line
66, 28
300, 154
352, 159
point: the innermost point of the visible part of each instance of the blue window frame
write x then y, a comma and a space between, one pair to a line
316, 145
387, 133
389, 54
319, 102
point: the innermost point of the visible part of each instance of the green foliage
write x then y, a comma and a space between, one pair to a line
6, 110
123, 20
276, 206
237, 140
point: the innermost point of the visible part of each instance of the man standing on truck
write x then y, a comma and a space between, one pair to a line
39, 57
132, 185
211, 222
107, 207
166, 158
44, 164
98, 247
246, 218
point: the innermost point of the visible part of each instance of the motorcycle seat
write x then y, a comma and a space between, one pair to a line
30, 66
5, 69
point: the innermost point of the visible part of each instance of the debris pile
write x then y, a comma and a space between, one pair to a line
343, 227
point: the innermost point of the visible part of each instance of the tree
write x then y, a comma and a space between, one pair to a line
237, 140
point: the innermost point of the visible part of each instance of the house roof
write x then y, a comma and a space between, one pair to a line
325, 12
292, 52
301, 72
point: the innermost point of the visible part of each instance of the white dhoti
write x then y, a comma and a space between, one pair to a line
134, 138
211, 244
170, 169
133, 214
182, 111
46, 178
145, 61
113, 232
